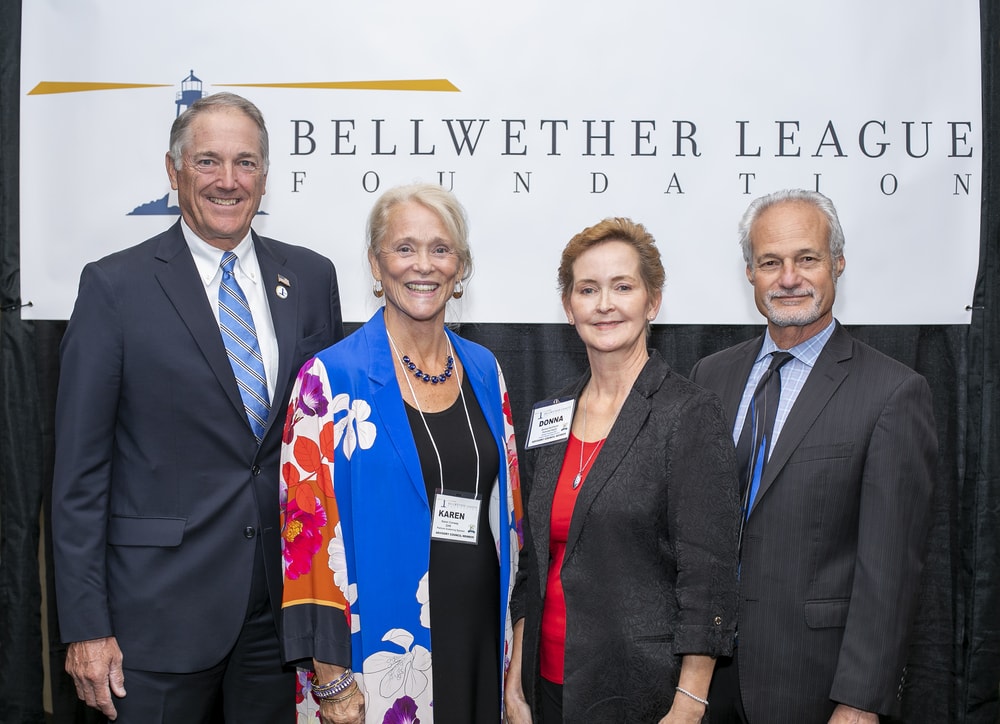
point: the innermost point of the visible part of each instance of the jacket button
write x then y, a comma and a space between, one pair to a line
255, 470
718, 620
249, 532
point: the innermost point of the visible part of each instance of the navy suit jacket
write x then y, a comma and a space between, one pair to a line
160, 489
833, 547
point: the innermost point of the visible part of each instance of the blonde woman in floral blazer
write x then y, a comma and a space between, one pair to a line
357, 504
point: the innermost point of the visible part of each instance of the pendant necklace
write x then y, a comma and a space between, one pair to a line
597, 445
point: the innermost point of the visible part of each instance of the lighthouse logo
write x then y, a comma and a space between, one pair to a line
166, 205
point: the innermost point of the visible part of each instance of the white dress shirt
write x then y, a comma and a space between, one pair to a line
208, 260
794, 374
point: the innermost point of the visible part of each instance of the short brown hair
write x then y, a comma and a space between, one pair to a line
614, 229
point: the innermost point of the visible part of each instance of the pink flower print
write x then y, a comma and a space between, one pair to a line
300, 686
311, 399
403, 711
513, 466
290, 419
307, 706
301, 537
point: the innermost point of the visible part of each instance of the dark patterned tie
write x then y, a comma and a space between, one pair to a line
240, 338
755, 438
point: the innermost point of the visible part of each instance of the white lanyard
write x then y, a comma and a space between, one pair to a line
456, 516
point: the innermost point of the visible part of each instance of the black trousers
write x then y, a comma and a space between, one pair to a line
725, 703
551, 703
249, 686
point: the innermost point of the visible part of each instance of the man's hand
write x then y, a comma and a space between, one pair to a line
844, 714
96, 668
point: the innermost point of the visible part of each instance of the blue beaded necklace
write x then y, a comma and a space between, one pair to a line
433, 379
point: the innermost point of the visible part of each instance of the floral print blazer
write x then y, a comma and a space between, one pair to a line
356, 522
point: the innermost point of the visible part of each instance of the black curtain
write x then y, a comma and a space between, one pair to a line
954, 660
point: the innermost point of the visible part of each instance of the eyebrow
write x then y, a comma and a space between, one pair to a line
812, 251
216, 154
618, 278
414, 240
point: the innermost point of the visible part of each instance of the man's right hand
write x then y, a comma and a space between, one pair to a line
96, 668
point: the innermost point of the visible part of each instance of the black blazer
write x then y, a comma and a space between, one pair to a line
833, 548
160, 488
650, 567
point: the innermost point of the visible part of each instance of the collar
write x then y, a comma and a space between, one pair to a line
806, 352
208, 258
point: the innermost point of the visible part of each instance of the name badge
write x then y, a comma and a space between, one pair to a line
551, 421
455, 517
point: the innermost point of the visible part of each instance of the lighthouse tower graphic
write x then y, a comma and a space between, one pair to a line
190, 92
166, 205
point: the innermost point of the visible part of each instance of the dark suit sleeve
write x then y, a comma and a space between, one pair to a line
704, 522
693, 375
335, 314
896, 489
87, 400
526, 574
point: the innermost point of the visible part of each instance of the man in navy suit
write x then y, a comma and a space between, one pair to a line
835, 521
165, 501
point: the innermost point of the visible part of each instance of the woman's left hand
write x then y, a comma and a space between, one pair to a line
349, 710
516, 709
684, 712
695, 676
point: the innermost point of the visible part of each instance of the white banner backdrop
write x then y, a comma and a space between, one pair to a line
543, 118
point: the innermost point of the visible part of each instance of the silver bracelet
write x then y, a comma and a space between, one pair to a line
698, 699
332, 688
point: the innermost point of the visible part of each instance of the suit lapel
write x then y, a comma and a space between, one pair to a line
631, 419
389, 401
284, 318
826, 376
179, 279
731, 390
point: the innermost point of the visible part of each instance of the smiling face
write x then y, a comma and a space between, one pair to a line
222, 178
793, 274
417, 264
608, 302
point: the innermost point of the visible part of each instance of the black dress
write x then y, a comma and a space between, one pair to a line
464, 579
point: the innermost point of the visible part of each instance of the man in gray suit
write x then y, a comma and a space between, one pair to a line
177, 366
836, 490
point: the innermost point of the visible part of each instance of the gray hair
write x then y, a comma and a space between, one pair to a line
180, 131
835, 237
436, 198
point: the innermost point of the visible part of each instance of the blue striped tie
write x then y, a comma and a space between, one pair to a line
240, 338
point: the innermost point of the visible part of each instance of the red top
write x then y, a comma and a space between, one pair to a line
553, 643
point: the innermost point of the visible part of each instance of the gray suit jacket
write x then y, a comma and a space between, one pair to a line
833, 548
649, 572
160, 489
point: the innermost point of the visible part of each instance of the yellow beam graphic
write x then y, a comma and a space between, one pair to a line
47, 87
432, 84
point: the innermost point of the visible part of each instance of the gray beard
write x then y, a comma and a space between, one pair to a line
792, 317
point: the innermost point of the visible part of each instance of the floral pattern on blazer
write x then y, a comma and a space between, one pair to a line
356, 522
